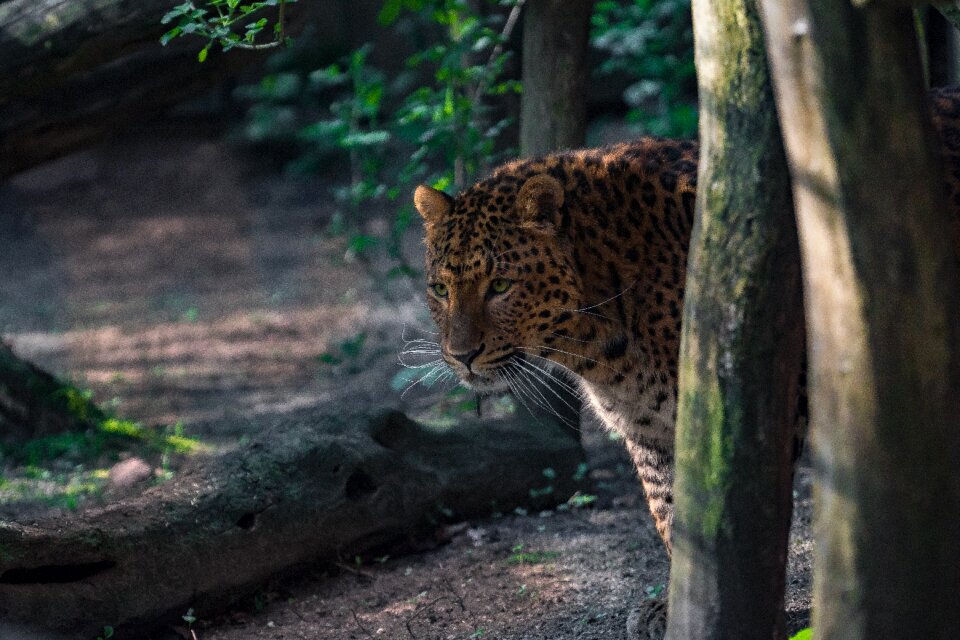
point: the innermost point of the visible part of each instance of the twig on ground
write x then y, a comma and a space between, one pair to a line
356, 619
355, 571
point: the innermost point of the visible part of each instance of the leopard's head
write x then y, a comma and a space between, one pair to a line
501, 281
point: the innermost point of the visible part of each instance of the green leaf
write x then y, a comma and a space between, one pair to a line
368, 139
202, 56
390, 12
170, 35
805, 634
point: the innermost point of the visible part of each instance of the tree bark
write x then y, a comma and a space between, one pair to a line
74, 71
553, 107
312, 489
881, 285
741, 348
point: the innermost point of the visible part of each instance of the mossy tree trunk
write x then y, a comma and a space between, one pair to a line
741, 348
553, 107
881, 285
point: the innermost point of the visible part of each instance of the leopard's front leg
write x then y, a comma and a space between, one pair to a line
654, 464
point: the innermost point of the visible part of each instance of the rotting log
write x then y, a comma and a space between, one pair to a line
882, 302
741, 348
312, 489
74, 71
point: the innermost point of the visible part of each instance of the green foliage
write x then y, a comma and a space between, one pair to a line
107, 436
444, 115
227, 23
804, 634
448, 121
347, 352
651, 42
107, 633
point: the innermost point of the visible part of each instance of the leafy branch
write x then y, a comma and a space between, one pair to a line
218, 24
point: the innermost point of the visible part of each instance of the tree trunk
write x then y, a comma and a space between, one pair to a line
34, 404
313, 488
73, 71
881, 285
741, 348
553, 106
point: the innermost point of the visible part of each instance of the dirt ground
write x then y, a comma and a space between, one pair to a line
180, 282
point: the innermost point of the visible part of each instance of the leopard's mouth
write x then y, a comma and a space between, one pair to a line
492, 377
485, 384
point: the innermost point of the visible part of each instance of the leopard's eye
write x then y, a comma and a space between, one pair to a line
440, 289
500, 285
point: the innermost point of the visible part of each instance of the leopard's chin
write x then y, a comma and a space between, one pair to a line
484, 383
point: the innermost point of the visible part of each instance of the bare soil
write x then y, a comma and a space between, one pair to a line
182, 282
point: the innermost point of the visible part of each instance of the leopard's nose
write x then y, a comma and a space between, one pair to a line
466, 359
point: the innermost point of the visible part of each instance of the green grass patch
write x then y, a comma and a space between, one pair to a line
519, 556
105, 438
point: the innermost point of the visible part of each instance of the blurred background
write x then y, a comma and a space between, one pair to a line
190, 244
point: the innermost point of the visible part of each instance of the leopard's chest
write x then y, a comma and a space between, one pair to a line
641, 408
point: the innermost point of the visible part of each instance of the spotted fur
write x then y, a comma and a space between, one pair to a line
593, 244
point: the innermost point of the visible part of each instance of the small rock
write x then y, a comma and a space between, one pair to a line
127, 473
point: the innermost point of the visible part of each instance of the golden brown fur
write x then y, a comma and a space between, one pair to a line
593, 247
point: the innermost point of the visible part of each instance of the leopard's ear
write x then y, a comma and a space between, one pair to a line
538, 202
433, 205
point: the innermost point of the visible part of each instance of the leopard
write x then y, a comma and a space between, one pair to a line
576, 261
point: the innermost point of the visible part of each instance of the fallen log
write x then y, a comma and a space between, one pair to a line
73, 72
312, 489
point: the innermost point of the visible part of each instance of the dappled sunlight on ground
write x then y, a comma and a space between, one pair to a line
192, 296
181, 293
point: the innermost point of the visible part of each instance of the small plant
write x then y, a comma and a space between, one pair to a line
581, 500
190, 618
519, 556
218, 20
549, 474
107, 633
653, 591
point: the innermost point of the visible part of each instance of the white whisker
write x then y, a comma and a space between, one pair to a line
550, 375
569, 353
593, 306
